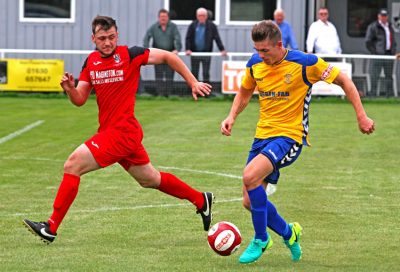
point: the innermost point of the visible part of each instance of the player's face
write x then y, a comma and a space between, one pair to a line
269, 52
105, 40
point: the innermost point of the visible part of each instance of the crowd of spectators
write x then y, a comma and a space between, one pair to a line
322, 38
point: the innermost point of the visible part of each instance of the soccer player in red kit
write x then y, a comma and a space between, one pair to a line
113, 72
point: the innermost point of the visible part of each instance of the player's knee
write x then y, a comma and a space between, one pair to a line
246, 203
149, 181
71, 166
249, 179
145, 183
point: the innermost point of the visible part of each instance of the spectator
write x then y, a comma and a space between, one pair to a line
322, 35
199, 38
164, 35
288, 38
380, 40
3, 72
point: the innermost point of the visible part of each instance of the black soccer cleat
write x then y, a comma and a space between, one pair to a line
41, 229
205, 212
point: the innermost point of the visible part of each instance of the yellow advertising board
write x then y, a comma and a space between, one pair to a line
31, 75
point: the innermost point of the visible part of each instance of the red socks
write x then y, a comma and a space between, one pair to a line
68, 190
65, 196
173, 186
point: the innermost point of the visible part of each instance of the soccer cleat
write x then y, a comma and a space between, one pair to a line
205, 211
294, 241
254, 250
41, 229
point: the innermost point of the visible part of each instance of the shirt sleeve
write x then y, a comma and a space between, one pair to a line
322, 70
177, 39
217, 38
311, 38
84, 75
139, 54
248, 81
292, 40
147, 37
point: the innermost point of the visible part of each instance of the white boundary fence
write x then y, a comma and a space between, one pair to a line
361, 72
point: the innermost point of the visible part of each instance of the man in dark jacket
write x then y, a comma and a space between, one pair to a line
380, 41
199, 38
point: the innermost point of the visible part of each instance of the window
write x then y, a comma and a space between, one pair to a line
184, 12
45, 11
248, 12
361, 14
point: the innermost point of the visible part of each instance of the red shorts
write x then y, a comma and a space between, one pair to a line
113, 145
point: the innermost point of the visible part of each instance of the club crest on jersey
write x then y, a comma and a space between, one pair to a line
288, 78
117, 58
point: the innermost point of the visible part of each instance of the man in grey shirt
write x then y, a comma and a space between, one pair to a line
164, 35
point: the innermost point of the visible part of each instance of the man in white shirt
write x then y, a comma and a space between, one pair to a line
322, 36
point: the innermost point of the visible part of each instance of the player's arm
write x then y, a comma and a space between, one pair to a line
365, 124
240, 102
79, 94
159, 56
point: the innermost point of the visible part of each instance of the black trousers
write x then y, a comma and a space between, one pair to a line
375, 68
205, 62
164, 79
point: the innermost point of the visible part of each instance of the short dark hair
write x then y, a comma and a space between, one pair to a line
163, 11
264, 30
104, 22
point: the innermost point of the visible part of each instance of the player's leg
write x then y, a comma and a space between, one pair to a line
254, 193
149, 177
286, 152
277, 223
78, 163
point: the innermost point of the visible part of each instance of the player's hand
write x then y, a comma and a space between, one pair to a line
201, 88
226, 126
67, 82
366, 125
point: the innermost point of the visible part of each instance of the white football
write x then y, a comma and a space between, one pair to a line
224, 238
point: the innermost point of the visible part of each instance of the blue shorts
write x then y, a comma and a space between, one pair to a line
281, 151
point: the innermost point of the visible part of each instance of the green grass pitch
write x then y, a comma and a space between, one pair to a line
344, 190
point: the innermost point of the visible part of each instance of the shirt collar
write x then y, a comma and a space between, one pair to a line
382, 24
327, 22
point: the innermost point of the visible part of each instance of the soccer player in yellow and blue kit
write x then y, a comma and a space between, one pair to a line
284, 79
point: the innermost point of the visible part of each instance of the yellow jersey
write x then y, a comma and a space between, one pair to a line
285, 92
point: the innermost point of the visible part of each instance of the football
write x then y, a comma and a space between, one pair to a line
224, 238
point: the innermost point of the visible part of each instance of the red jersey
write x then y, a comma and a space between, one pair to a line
115, 81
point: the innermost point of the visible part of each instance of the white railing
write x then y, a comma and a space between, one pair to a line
230, 55
361, 70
